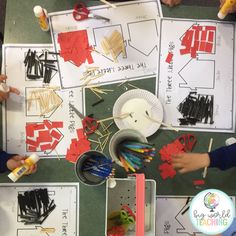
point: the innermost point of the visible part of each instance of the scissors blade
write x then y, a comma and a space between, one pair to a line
79, 114
98, 17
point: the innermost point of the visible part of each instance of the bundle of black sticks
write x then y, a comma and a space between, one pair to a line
35, 206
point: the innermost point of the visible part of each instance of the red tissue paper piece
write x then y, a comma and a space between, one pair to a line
167, 170
43, 136
78, 146
198, 39
75, 47
171, 149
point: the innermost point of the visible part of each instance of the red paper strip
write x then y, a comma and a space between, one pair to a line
38, 126
54, 144
169, 57
32, 149
44, 136
32, 142
211, 36
29, 130
55, 134
48, 124
57, 124
45, 147
199, 182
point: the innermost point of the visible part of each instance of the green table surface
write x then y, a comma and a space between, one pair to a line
21, 27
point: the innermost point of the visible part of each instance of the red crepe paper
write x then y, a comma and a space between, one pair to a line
167, 170
78, 146
169, 57
176, 147
75, 47
43, 136
198, 39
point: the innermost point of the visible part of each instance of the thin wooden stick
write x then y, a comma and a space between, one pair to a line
95, 93
162, 123
209, 149
122, 116
133, 86
48, 230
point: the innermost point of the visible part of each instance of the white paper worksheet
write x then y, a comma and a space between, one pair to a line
64, 218
138, 23
16, 112
198, 56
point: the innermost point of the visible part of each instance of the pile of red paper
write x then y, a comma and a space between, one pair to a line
75, 47
78, 146
198, 39
166, 153
43, 136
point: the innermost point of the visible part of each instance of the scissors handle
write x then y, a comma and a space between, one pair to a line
80, 12
90, 125
188, 141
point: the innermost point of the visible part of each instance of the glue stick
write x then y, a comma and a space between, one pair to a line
20, 171
41, 14
225, 8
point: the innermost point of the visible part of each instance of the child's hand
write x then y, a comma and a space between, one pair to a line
186, 162
5, 95
171, 3
231, 10
17, 161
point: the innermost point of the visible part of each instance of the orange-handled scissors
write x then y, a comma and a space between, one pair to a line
81, 12
90, 125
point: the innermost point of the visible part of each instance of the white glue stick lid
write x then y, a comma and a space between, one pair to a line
13, 177
221, 15
34, 157
38, 11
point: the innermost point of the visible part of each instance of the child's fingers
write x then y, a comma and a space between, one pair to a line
177, 165
177, 156
14, 90
3, 96
3, 77
182, 171
31, 170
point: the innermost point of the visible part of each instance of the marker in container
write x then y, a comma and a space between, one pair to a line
20, 171
41, 14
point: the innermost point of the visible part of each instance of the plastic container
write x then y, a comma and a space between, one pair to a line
41, 14
20, 171
125, 193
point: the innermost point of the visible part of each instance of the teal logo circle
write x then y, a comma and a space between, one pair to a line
212, 211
